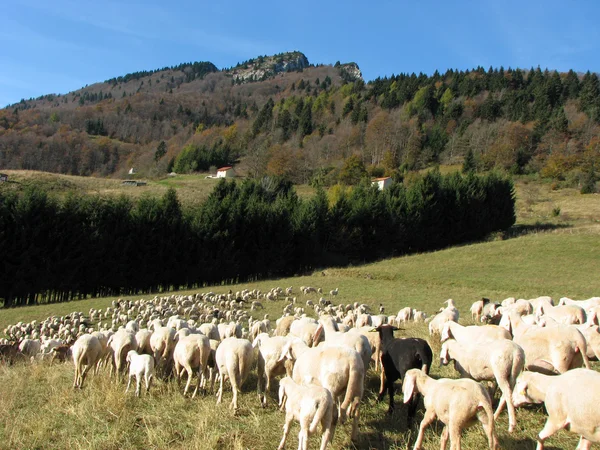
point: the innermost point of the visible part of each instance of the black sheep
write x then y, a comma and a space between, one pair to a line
398, 355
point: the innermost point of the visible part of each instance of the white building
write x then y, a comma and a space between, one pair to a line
225, 172
382, 183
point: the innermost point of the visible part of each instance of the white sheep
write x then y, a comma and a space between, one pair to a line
338, 369
571, 401
86, 352
565, 314
353, 339
548, 350
140, 366
404, 315
162, 342
120, 343
456, 403
450, 313
191, 353
233, 359
30, 347
269, 363
305, 329
142, 337
310, 406
500, 360
585, 304
473, 333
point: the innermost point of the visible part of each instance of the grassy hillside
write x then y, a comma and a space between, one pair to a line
548, 253
42, 411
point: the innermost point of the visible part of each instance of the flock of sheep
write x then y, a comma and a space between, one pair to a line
531, 350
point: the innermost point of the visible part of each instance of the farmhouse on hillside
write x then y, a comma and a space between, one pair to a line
225, 172
382, 183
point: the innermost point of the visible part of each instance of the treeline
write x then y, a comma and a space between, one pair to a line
86, 246
193, 70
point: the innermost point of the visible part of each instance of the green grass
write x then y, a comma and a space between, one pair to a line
40, 410
549, 255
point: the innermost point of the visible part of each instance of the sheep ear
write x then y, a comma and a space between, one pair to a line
408, 387
446, 332
317, 335
285, 352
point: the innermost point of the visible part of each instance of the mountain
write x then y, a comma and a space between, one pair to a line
281, 115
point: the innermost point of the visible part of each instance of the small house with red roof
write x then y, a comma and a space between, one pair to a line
382, 183
225, 172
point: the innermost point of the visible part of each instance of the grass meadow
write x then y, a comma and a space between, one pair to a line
553, 250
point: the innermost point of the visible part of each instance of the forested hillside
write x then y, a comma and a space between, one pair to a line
321, 124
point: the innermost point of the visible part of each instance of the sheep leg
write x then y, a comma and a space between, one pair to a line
83, 374
76, 380
444, 438
138, 385
303, 439
234, 404
220, 392
549, 429
354, 434
584, 444
197, 383
286, 430
454, 438
128, 383
507, 398
327, 437
148, 379
428, 418
260, 383
189, 372
382, 386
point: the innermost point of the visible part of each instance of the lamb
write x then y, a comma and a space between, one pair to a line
338, 369
456, 403
269, 362
140, 366
447, 314
571, 400
191, 353
310, 406
548, 350
473, 333
233, 358
397, 357
500, 360
86, 352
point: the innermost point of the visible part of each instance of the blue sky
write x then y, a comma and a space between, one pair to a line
61, 45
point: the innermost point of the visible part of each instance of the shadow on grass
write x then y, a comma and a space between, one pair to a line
523, 229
